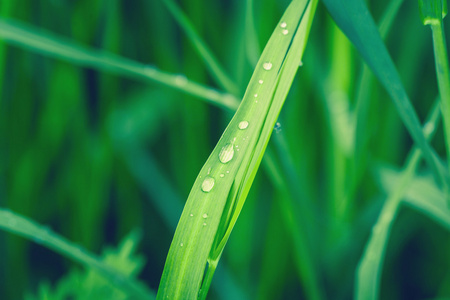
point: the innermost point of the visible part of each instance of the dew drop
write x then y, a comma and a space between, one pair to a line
228, 172
283, 25
267, 66
204, 224
256, 95
205, 216
181, 244
222, 175
243, 125
208, 184
226, 154
191, 215
284, 31
260, 81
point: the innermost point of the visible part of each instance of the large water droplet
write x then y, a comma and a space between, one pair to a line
208, 184
243, 125
226, 154
267, 66
283, 25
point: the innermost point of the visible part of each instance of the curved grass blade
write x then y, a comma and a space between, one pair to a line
421, 194
27, 37
432, 13
19, 225
355, 21
223, 183
370, 266
210, 61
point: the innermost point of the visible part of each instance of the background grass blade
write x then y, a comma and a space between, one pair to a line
356, 22
421, 194
210, 61
432, 13
93, 147
19, 225
49, 44
369, 269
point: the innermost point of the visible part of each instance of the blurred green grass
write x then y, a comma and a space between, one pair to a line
93, 154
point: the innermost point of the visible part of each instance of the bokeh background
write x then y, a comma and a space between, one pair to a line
94, 155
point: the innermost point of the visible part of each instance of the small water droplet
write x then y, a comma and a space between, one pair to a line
243, 125
209, 171
222, 175
267, 66
181, 244
284, 31
191, 215
300, 64
256, 95
205, 216
260, 81
227, 153
277, 127
228, 172
204, 224
208, 184
283, 25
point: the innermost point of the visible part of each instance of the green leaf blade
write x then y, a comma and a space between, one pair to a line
356, 22
214, 201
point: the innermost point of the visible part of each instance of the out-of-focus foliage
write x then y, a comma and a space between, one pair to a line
92, 153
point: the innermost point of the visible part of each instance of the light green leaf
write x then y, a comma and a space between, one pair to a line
220, 189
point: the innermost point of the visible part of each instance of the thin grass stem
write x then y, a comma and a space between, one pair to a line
370, 266
210, 61
46, 43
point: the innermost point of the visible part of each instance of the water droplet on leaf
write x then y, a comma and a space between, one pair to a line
267, 66
208, 184
226, 154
